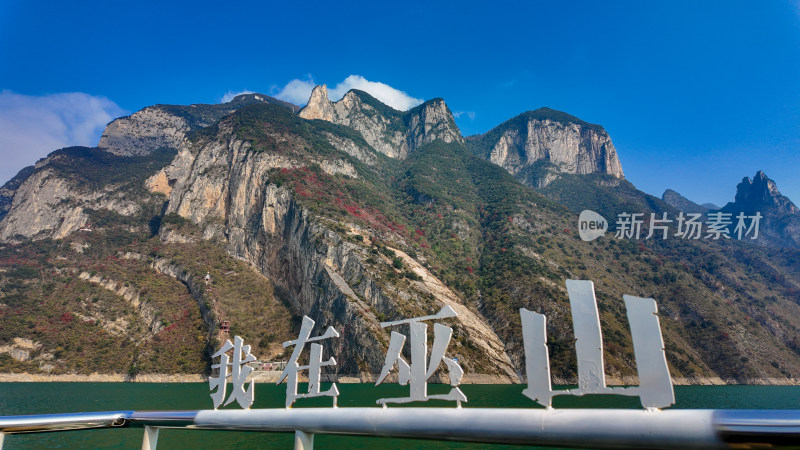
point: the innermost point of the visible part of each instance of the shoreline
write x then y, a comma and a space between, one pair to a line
272, 377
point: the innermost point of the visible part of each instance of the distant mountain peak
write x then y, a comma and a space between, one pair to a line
682, 203
255, 97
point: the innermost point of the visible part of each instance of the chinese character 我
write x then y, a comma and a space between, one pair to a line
239, 372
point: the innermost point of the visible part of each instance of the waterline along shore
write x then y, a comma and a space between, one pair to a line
272, 377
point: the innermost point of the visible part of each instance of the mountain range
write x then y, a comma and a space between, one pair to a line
354, 213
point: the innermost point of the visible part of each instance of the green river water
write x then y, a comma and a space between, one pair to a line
43, 398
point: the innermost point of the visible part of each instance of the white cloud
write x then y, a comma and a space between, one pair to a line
298, 91
386, 94
470, 114
33, 126
230, 95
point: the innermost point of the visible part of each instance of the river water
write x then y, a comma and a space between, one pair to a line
43, 398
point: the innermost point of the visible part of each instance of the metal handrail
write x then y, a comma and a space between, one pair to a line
608, 428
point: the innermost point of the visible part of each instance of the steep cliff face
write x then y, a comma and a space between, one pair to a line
780, 226
538, 145
391, 132
53, 200
225, 187
143, 132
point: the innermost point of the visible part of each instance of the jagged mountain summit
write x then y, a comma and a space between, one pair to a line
354, 214
394, 133
537, 146
682, 203
780, 226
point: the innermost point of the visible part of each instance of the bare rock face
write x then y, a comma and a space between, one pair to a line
143, 132
538, 145
48, 206
8, 190
391, 132
319, 105
431, 121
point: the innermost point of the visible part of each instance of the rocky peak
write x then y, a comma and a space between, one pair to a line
538, 145
319, 105
391, 132
780, 225
431, 121
761, 192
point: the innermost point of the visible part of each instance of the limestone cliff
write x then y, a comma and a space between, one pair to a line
143, 132
53, 199
392, 132
224, 187
538, 145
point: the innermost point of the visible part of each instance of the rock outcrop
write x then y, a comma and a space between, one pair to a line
538, 145
391, 132
143, 132
48, 205
8, 190
682, 203
780, 225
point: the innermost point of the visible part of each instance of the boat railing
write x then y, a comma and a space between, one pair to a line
579, 428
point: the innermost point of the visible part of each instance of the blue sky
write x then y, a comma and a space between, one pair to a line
695, 95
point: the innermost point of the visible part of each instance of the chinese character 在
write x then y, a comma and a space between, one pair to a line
689, 227
629, 226
655, 385
740, 225
239, 372
315, 364
718, 223
420, 370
